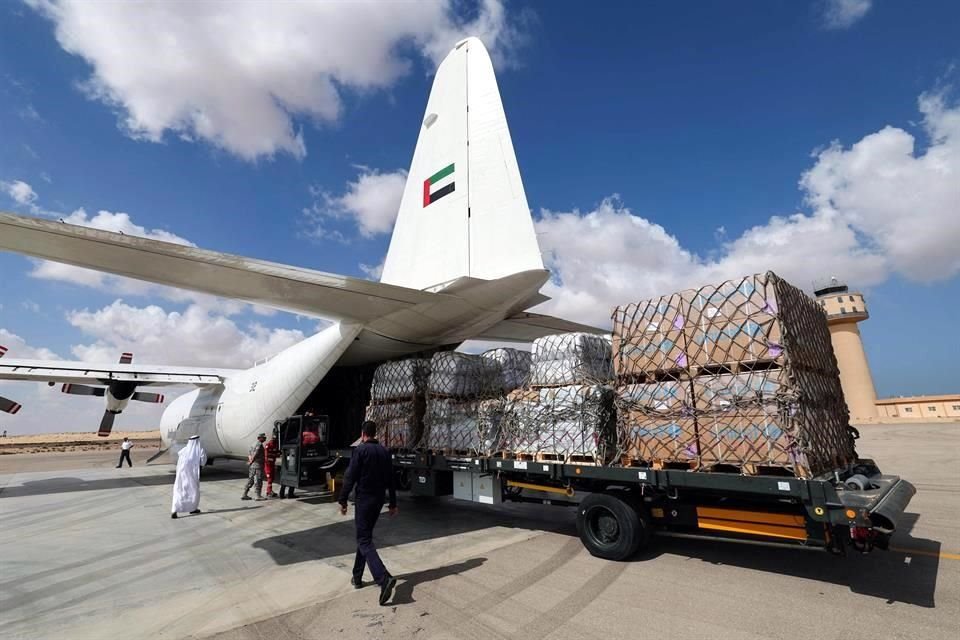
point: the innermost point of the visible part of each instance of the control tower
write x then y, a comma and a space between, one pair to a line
844, 310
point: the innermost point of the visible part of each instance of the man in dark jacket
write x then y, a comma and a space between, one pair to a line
371, 472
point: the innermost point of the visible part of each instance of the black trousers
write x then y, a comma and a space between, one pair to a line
125, 455
367, 514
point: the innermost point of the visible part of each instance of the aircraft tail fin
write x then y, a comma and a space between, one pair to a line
464, 211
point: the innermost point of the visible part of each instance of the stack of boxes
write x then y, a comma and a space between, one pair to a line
737, 375
566, 410
398, 402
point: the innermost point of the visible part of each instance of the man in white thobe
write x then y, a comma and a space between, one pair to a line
186, 488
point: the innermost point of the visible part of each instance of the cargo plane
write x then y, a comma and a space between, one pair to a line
463, 263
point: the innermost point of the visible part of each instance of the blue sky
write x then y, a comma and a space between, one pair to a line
683, 134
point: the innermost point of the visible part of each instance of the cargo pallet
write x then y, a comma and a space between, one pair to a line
619, 509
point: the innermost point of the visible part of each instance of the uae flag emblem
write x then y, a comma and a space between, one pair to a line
438, 185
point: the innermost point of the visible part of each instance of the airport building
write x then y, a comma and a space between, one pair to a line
845, 309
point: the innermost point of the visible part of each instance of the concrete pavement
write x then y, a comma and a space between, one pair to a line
92, 553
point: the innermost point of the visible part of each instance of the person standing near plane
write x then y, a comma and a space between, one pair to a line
125, 447
270, 451
255, 460
186, 488
371, 471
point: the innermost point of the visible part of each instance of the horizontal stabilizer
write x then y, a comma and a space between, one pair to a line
275, 285
526, 327
126, 358
9, 406
148, 397
83, 390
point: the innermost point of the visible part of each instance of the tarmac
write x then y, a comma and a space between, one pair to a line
89, 551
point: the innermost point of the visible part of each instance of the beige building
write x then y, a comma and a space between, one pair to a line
920, 407
845, 309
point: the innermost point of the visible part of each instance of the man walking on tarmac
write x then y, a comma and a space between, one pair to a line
371, 471
255, 459
125, 447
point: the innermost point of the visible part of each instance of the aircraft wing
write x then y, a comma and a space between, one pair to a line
275, 285
87, 373
526, 327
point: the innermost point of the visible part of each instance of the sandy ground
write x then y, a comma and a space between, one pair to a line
76, 441
92, 553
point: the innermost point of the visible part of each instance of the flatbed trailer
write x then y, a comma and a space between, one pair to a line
620, 509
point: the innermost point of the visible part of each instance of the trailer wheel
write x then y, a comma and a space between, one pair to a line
402, 479
610, 527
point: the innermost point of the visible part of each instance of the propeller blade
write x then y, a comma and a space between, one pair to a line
126, 357
148, 397
3, 351
83, 390
157, 455
106, 425
9, 406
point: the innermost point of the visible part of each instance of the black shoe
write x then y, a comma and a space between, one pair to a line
173, 515
195, 512
386, 589
246, 497
356, 582
118, 466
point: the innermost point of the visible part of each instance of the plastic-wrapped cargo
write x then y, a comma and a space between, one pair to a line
397, 402
571, 359
512, 367
453, 425
574, 422
761, 384
400, 380
399, 424
457, 383
462, 375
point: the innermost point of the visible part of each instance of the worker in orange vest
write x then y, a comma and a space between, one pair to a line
270, 450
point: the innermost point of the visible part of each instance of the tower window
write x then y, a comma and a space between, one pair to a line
839, 298
956, 407
843, 309
908, 409
934, 409
854, 309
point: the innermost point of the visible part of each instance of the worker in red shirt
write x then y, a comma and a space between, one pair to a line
270, 451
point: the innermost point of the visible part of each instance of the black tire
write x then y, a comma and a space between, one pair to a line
402, 479
611, 527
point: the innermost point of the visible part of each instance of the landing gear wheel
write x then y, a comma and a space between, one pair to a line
403, 479
611, 526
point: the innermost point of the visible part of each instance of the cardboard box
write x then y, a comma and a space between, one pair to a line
735, 437
648, 337
658, 439
765, 387
740, 339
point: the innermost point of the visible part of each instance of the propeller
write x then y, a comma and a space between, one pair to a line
9, 406
6, 404
126, 357
83, 390
148, 397
106, 424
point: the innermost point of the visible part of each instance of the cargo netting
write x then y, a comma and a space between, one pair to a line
398, 402
457, 386
740, 375
565, 412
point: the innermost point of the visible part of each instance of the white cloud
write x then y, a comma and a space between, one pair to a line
841, 14
19, 349
21, 193
371, 202
879, 208
372, 272
195, 337
245, 77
